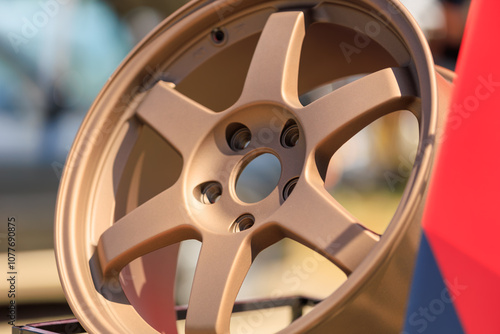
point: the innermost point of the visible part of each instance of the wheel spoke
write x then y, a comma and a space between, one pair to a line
160, 222
178, 119
312, 217
274, 70
333, 119
222, 267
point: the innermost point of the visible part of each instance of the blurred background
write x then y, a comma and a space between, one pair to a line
55, 56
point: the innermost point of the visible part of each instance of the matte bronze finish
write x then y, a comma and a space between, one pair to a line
155, 161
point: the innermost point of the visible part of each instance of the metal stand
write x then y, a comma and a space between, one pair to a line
72, 326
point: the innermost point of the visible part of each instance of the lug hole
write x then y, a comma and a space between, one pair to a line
238, 136
290, 186
209, 192
243, 223
218, 36
290, 134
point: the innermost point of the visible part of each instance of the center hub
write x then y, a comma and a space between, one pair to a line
258, 178
246, 167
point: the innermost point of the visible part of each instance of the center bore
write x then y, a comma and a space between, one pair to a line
259, 177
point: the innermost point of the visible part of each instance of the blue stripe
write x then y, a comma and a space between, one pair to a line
431, 309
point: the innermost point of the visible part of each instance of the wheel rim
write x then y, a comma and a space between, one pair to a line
215, 140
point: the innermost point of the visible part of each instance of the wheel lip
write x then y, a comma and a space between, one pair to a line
383, 252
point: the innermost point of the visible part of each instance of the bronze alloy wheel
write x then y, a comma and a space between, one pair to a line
216, 85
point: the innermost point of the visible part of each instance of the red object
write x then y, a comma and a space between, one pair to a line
462, 219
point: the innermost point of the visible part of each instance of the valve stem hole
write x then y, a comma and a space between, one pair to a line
218, 36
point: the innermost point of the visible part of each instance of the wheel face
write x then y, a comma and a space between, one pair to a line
160, 154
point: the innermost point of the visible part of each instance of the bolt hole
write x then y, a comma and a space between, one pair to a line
290, 186
243, 223
218, 36
209, 192
290, 134
238, 136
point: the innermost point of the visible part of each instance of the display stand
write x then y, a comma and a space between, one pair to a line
72, 326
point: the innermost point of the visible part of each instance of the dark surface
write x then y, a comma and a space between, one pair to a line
431, 308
